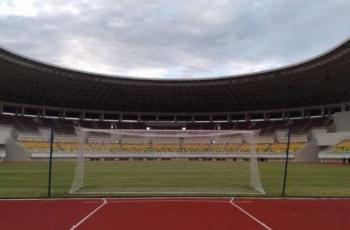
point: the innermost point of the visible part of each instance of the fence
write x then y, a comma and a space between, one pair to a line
52, 176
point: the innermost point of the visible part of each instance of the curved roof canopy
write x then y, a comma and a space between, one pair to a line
319, 81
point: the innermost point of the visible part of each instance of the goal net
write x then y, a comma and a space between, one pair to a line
166, 162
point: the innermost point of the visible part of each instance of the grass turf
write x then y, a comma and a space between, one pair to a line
227, 178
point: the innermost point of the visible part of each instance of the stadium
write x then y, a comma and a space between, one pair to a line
174, 115
230, 136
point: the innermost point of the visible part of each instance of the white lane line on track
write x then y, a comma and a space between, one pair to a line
89, 215
249, 215
243, 201
92, 202
165, 200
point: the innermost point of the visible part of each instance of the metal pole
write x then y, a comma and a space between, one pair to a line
286, 164
50, 160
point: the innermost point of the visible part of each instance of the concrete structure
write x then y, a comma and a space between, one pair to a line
342, 121
316, 87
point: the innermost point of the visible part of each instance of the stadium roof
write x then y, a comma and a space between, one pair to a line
322, 80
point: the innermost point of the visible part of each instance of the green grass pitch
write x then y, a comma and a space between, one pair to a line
215, 178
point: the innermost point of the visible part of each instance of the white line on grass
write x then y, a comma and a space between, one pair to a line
161, 193
250, 215
89, 215
169, 197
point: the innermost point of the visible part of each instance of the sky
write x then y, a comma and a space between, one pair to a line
173, 39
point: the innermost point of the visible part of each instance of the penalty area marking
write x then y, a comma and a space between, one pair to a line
249, 215
89, 215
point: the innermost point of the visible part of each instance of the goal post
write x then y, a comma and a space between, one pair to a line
166, 162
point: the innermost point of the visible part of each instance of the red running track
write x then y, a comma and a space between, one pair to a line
175, 214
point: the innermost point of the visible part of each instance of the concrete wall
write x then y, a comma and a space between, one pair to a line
342, 121
5, 133
309, 153
329, 139
15, 151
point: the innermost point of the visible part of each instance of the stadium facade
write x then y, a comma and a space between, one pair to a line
314, 88
311, 99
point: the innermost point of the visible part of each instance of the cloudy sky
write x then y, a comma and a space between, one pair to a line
182, 38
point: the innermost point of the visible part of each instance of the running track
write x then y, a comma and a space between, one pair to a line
175, 214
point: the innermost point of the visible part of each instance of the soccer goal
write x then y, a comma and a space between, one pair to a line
166, 162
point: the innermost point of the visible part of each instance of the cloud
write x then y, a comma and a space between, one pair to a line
35, 8
153, 38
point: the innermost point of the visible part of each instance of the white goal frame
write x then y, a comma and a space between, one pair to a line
82, 133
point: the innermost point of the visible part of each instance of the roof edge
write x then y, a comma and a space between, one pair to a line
35, 61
